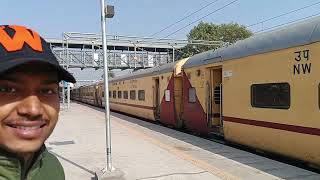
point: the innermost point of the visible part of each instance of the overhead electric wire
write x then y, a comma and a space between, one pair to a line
290, 22
167, 27
201, 18
284, 14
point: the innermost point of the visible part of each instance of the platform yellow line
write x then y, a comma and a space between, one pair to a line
197, 162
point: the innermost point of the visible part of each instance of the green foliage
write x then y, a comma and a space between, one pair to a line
227, 33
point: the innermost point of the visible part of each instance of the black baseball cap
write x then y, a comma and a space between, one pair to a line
20, 45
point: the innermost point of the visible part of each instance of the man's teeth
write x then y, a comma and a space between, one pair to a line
27, 128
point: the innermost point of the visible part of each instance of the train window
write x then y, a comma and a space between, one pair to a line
133, 94
217, 95
192, 95
167, 95
141, 95
189, 75
198, 72
119, 94
114, 94
271, 95
125, 94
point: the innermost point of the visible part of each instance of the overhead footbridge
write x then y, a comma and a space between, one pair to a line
84, 50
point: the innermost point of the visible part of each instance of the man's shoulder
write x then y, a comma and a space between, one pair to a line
51, 160
50, 168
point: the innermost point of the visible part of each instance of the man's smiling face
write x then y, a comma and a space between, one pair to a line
29, 107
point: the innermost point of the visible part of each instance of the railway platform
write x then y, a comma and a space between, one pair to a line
146, 151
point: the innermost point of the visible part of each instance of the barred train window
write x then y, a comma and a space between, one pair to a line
271, 95
192, 95
119, 94
167, 95
133, 94
125, 94
114, 94
141, 95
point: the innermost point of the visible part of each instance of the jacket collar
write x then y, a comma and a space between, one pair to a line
4, 154
13, 163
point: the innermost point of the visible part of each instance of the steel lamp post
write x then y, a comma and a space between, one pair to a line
109, 172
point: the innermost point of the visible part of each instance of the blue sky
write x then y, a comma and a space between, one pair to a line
143, 17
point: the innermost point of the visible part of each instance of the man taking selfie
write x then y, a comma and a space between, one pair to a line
29, 105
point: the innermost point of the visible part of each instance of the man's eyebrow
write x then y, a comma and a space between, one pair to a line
17, 80
50, 81
12, 79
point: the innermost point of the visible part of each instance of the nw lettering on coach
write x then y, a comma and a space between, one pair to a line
302, 66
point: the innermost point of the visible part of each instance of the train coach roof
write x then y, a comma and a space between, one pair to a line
147, 72
297, 34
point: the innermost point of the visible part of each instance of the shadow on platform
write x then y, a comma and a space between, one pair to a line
73, 163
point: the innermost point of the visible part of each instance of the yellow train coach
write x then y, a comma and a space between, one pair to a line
261, 92
154, 93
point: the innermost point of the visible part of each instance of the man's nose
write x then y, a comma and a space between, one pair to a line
30, 107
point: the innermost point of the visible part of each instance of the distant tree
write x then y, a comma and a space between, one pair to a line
228, 33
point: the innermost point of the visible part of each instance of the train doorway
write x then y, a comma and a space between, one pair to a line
156, 99
178, 97
96, 95
99, 95
214, 100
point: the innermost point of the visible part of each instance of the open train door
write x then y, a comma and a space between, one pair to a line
156, 99
214, 101
96, 95
99, 92
178, 101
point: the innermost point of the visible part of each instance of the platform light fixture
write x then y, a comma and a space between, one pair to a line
109, 11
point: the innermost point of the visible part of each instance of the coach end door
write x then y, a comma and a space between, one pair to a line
214, 99
156, 99
99, 91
